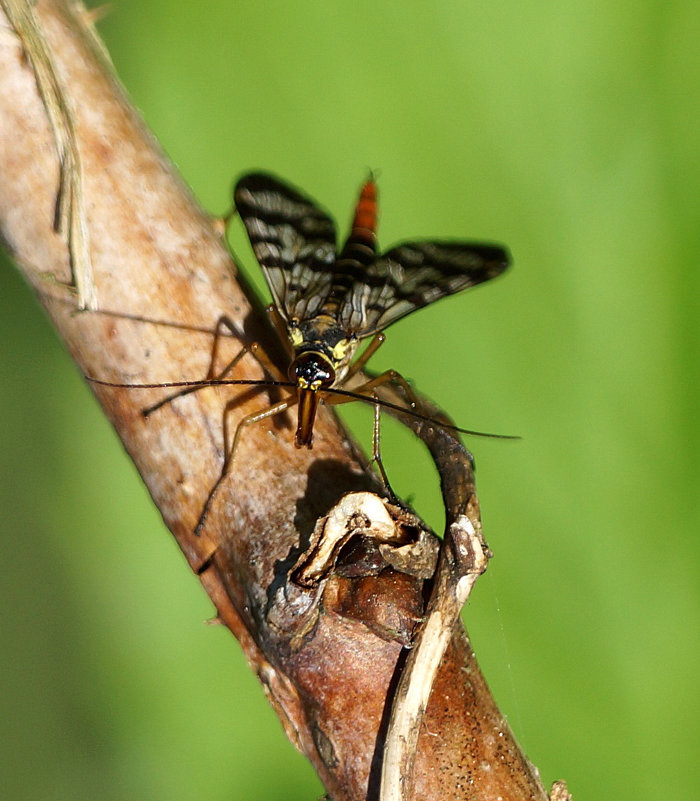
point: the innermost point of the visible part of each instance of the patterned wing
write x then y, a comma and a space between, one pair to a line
293, 240
412, 275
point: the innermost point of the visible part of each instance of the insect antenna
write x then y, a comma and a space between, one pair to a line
194, 385
263, 382
415, 414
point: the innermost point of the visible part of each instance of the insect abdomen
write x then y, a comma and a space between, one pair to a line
359, 251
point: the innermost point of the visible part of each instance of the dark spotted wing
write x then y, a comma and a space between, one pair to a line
293, 240
412, 275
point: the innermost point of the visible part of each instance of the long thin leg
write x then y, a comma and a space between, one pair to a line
189, 390
222, 322
377, 451
366, 355
368, 386
388, 376
248, 420
267, 364
280, 326
212, 374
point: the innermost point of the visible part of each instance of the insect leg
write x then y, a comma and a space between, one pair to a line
212, 374
366, 355
254, 417
229, 452
388, 376
280, 327
377, 451
259, 354
336, 400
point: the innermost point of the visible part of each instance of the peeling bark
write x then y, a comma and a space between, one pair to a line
329, 655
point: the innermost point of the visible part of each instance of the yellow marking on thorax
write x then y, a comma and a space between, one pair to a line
342, 350
295, 336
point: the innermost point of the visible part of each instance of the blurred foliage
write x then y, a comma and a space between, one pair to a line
568, 131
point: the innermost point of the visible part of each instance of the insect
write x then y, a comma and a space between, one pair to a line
327, 302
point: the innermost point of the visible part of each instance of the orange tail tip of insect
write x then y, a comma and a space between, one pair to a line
366, 211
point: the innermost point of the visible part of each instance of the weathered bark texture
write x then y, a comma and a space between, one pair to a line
328, 657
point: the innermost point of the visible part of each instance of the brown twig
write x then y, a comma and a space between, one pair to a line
328, 660
463, 558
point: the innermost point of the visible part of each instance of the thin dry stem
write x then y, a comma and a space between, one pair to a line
70, 216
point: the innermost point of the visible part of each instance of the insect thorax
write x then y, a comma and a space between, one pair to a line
322, 335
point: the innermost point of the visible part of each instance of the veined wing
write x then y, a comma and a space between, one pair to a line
293, 240
412, 275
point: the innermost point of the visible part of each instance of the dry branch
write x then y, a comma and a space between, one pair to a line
329, 656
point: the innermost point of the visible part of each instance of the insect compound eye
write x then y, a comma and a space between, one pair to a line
311, 371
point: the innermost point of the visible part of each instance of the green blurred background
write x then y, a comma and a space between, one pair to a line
568, 131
